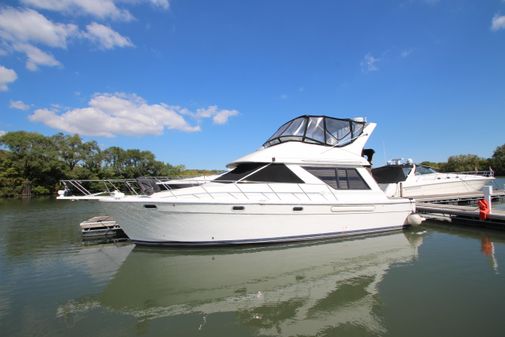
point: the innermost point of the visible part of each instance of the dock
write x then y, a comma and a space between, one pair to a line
459, 198
449, 208
101, 227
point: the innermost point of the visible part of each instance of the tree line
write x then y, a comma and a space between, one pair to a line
471, 162
32, 160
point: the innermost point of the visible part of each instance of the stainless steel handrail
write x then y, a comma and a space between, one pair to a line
132, 186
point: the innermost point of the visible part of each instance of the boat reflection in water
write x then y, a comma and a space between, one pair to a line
276, 290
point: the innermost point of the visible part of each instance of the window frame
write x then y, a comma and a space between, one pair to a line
342, 178
336, 132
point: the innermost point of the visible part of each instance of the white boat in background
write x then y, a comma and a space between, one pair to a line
403, 178
308, 181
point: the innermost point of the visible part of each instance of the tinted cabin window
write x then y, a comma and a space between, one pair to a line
275, 173
340, 178
272, 173
240, 171
390, 174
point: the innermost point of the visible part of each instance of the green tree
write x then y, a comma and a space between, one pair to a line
113, 162
139, 163
10, 181
69, 149
34, 158
465, 162
81, 159
498, 160
92, 157
31, 159
434, 165
172, 171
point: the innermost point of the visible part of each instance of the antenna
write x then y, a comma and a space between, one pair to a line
384, 151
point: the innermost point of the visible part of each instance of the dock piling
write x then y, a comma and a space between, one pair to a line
488, 193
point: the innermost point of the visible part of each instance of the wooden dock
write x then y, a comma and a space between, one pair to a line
101, 227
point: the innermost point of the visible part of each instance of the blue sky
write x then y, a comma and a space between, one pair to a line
201, 83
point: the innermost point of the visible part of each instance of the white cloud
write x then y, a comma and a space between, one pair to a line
105, 37
2, 133
21, 29
19, 105
7, 76
222, 116
101, 9
126, 114
498, 22
36, 57
218, 116
164, 4
369, 63
206, 113
116, 114
29, 26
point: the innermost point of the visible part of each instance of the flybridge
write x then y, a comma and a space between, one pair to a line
321, 130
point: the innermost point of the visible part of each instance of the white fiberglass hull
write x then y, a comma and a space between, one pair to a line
435, 187
442, 188
163, 223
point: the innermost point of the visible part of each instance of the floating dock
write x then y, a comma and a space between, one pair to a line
101, 227
496, 195
449, 208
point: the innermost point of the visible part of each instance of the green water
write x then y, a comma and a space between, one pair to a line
434, 280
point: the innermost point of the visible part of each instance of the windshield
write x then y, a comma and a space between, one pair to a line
424, 170
318, 130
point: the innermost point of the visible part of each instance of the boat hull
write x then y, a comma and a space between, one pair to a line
441, 187
225, 224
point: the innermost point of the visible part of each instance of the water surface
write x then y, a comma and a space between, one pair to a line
434, 280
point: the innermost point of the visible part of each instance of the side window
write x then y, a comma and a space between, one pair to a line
275, 173
327, 175
239, 172
340, 178
355, 181
260, 172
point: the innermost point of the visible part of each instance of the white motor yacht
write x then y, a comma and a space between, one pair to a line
403, 178
307, 181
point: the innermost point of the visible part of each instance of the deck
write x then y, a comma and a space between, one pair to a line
100, 227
